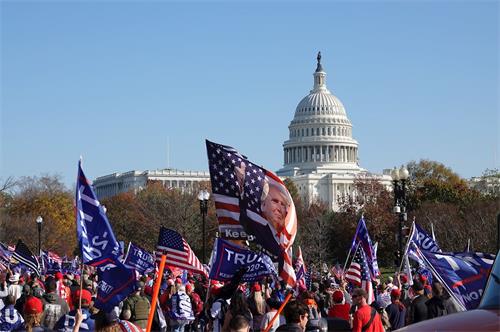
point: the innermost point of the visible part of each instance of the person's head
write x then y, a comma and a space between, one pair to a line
33, 305
359, 297
275, 204
58, 276
390, 280
189, 288
50, 285
139, 287
10, 300
395, 294
239, 324
338, 297
296, 312
181, 288
418, 287
437, 289
86, 298
423, 279
238, 302
273, 304
14, 279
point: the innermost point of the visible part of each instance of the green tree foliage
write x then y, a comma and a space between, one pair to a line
431, 181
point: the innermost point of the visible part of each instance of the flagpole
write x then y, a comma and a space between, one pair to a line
355, 250
156, 290
276, 315
407, 245
355, 235
81, 286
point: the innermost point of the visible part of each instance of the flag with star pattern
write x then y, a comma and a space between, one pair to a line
251, 200
178, 251
358, 273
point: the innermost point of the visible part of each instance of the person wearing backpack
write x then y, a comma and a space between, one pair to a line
136, 307
366, 318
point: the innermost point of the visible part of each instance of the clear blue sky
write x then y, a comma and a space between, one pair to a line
116, 81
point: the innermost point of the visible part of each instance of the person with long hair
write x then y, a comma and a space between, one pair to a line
238, 306
257, 306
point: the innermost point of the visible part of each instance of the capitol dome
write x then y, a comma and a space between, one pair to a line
320, 134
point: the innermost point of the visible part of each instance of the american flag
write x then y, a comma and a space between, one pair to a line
178, 251
362, 237
51, 261
300, 268
358, 274
237, 185
337, 271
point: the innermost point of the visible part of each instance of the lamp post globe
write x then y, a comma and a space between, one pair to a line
395, 174
403, 173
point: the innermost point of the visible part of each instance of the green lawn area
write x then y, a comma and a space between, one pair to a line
386, 272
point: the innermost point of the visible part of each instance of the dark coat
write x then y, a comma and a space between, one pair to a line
417, 309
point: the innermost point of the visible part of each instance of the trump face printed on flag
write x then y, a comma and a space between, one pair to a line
250, 196
275, 205
274, 200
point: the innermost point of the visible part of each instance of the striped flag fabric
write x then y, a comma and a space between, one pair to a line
24, 255
250, 199
362, 237
300, 269
178, 251
358, 274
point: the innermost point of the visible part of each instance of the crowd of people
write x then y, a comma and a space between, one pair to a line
65, 302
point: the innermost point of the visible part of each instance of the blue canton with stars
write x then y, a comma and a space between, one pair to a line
170, 239
360, 258
223, 161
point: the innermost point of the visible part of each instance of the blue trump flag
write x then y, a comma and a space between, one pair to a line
463, 274
116, 282
95, 236
139, 259
423, 240
228, 258
363, 238
420, 239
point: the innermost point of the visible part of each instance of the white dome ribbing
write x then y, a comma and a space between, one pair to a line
320, 132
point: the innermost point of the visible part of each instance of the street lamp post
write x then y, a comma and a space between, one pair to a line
203, 197
39, 221
399, 177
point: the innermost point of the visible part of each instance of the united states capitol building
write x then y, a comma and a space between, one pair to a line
320, 155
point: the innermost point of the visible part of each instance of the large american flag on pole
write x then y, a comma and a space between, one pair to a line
178, 251
358, 274
249, 196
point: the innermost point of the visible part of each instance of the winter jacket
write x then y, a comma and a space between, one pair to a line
54, 307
